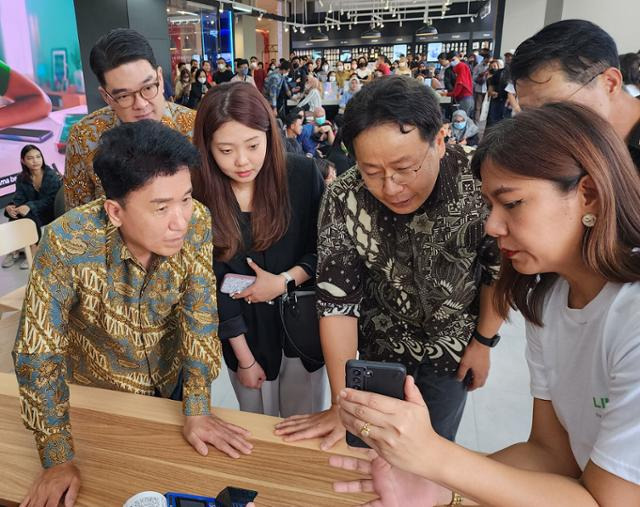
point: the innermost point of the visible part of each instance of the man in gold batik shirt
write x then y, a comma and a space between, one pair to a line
122, 297
131, 84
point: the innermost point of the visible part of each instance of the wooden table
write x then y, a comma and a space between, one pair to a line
127, 443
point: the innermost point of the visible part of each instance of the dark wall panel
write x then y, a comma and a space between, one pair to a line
94, 19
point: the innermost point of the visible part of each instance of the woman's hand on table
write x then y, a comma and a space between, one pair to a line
400, 431
200, 430
267, 286
321, 424
51, 485
394, 487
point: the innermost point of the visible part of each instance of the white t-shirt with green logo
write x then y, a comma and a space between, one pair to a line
587, 362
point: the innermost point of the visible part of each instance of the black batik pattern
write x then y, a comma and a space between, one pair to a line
412, 280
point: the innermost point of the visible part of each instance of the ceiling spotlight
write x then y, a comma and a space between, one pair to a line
321, 3
286, 28
339, 27
294, 29
349, 26
459, 20
221, 8
330, 8
302, 30
473, 19
381, 25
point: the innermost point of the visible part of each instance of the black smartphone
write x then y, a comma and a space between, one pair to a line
374, 377
27, 135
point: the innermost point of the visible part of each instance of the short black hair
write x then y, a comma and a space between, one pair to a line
442, 56
579, 47
242, 61
392, 99
451, 55
285, 65
119, 46
292, 117
630, 68
132, 154
193, 60
324, 166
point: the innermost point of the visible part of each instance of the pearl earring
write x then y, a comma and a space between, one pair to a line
589, 220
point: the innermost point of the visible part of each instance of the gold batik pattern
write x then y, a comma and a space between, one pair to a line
94, 316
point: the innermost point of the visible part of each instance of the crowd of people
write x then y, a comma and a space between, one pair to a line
416, 253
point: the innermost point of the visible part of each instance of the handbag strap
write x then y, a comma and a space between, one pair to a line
284, 299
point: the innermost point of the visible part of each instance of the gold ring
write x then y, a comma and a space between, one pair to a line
365, 430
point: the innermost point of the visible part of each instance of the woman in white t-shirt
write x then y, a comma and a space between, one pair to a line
565, 209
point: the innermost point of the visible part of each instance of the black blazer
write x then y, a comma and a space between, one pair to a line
41, 201
261, 323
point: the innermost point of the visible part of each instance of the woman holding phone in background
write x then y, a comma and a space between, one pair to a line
565, 211
264, 206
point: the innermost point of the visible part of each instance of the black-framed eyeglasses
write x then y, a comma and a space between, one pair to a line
126, 100
401, 177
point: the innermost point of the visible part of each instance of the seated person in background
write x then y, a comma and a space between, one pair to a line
576, 61
29, 102
293, 128
223, 74
312, 94
130, 81
565, 210
353, 88
141, 257
464, 130
36, 189
317, 135
199, 89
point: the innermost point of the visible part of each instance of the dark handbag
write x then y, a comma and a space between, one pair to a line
300, 324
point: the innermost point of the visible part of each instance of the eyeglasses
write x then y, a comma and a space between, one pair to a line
402, 177
126, 100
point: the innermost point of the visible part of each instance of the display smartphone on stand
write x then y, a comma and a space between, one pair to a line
26, 135
374, 377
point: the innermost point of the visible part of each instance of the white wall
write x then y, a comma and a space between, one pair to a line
620, 18
522, 18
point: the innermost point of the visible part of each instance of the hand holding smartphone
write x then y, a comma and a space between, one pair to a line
374, 377
232, 283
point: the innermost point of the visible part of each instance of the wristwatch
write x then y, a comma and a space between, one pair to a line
489, 342
289, 284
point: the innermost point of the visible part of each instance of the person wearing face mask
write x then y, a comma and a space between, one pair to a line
331, 88
198, 89
342, 74
446, 75
354, 65
258, 73
363, 72
223, 74
243, 75
462, 92
464, 131
323, 73
264, 208
183, 88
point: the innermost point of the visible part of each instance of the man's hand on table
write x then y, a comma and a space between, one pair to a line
200, 430
325, 424
50, 486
